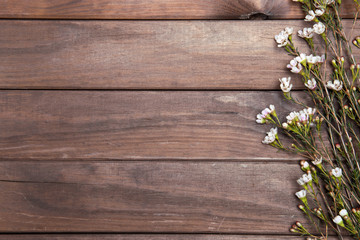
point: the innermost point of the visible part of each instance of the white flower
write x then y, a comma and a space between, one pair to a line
321, 59
310, 111
307, 178
317, 161
289, 30
300, 181
303, 116
291, 117
273, 131
312, 59
305, 164
319, 12
282, 38
336, 172
268, 139
343, 213
261, 117
337, 85
310, 16
301, 194
271, 136
285, 125
338, 220
285, 84
319, 28
306, 33
311, 84
268, 110
301, 58
295, 66
328, 2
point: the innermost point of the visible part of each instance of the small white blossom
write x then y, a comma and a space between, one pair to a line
319, 28
319, 12
328, 2
310, 16
291, 117
268, 110
289, 30
338, 220
317, 161
274, 131
300, 181
336, 172
301, 194
310, 111
285, 125
311, 84
304, 116
307, 178
285, 84
271, 136
305, 164
282, 39
295, 66
312, 59
261, 117
321, 59
336, 85
306, 33
343, 213
268, 139
301, 58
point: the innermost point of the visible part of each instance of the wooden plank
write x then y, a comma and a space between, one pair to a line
150, 196
147, 237
143, 54
120, 125
156, 9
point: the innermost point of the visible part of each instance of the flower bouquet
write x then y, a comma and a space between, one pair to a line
326, 133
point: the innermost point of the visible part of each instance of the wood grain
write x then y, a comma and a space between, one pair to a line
158, 197
144, 54
156, 9
148, 237
182, 125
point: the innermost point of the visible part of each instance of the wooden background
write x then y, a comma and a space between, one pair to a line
134, 120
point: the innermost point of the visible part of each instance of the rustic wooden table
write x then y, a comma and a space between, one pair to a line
118, 121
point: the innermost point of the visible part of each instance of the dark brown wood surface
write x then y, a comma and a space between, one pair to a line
149, 237
101, 139
144, 54
143, 196
157, 9
182, 125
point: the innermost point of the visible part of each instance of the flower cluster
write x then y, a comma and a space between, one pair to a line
336, 85
297, 64
284, 37
303, 117
266, 115
318, 28
306, 181
311, 16
330, 184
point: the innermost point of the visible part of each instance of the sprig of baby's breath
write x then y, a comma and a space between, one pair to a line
326, 133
